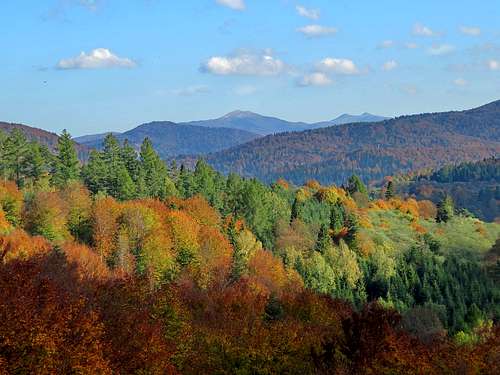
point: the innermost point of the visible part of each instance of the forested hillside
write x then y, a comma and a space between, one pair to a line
44, 137
170, 139
129, 265
473, 186
373, 150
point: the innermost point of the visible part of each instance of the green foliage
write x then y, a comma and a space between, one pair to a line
445, 210
66, 167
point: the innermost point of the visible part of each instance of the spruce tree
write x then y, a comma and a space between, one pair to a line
445, 210
389, 191
355, 185
324, 240
337, 217
66, 165
16, 149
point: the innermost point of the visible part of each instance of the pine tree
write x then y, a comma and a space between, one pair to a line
389, 191
324, 240
15, 150
66, 165
445, 210
36, 161
295, 209
95, 173
125, 186
154, 170
337, 217
355, 185
129, 158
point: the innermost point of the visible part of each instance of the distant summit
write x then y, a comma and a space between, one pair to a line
351, 119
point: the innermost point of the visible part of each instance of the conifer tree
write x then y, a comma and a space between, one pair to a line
355, 185
66, 166
445, 210
324, 240
389, 191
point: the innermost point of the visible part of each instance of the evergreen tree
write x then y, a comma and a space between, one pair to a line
129, 158
445, 210
154, 171
389, 191
355, 185
15, 153
125, 186
295, 209
95, 173
37, 161
337, 217
66, 166
324, 241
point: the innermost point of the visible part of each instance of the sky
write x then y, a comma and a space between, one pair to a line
93, 66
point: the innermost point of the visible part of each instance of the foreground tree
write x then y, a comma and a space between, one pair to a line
66, 166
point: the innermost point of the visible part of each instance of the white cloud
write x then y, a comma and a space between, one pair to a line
312, 31
244, 63
494, 65
422, 30
315, 79
460, 82
99, 58
338, 66
233, 4
441, 49
192, 90
471, 31
312, 14
390, 65
386, 44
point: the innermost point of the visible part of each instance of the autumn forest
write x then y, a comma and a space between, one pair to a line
126, 264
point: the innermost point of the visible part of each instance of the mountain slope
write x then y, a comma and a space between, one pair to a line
44, 137
350, 119
266, 125
170, 139
473, 186
252, 122
372, 150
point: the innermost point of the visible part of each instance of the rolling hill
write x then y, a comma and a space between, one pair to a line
473, 186
171, 139
372, 150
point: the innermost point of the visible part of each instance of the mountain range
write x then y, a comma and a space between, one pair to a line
235, 128
372, 150
171, 139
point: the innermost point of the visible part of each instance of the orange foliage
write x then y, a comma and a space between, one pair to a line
11, 201
19, 245
215, 255
283, 183
88, 263
200, 210
46, 329
268, 274
313, 184
418, 228
427, 210
4, 224
105, 226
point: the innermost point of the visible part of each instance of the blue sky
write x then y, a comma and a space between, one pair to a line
100, 65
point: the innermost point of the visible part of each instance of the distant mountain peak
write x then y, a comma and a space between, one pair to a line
240, 114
